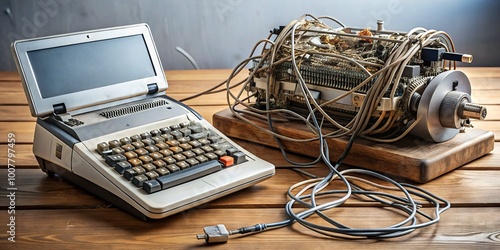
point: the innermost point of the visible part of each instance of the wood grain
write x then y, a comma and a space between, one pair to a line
103, 228
24, 131
54, 214
15, 114
460, 187
480, 72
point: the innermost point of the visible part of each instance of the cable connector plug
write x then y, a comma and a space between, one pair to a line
214, 234
219, 233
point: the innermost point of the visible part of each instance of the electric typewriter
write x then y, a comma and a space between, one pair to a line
105, 124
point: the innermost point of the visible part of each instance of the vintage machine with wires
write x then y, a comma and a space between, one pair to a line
314, 89
375, 83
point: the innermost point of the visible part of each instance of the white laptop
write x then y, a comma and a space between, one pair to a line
106, 124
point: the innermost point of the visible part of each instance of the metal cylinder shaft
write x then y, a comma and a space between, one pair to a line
472, 110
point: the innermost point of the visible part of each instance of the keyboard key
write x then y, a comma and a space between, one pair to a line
207, 149
155, 132
167, 137
158, 139
139, 180
239, 157
129, 174
189, 174
227, 160
221, 146
145, 135
159, 163
103, 146
166, 152
117, 151
176, 134
225, 145
185, 146
211, 133
165, 130
135, 138
204, 142
175, 127
151, 186
169, 160
111, 160
179, 157
148, 142
173, 168
152, 148
152, 175
146, 159
161, 145
220, 153
211, 156
139, 170
162, 171
182, 165
198, 136
192, 161
141, 151
130, 155
156, 156
230, 151
201, 158
198, 151
114, 144
173, 143
125, 141
183, 140
135, 162
213, 138
195, 144
175, 149
216, 146
189, 154
138, 144
128, 147
120, 167
185, 131
195, 128
149, 167
184, 124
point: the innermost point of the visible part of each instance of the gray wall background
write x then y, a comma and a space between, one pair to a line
220, 33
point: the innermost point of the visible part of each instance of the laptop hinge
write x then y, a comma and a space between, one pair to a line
66, 117
59, 108
152, 88
61, 114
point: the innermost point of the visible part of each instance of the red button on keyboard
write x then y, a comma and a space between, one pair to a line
227, 161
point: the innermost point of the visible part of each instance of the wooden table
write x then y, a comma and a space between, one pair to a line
53, 214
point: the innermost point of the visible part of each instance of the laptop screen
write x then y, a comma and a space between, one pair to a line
74, 68
88, 68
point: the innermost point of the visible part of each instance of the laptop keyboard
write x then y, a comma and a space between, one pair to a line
165, 157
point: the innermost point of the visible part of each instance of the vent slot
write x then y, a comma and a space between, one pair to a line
111, 113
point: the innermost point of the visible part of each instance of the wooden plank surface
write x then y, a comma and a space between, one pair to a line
53, 214
37, 190
104, 228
